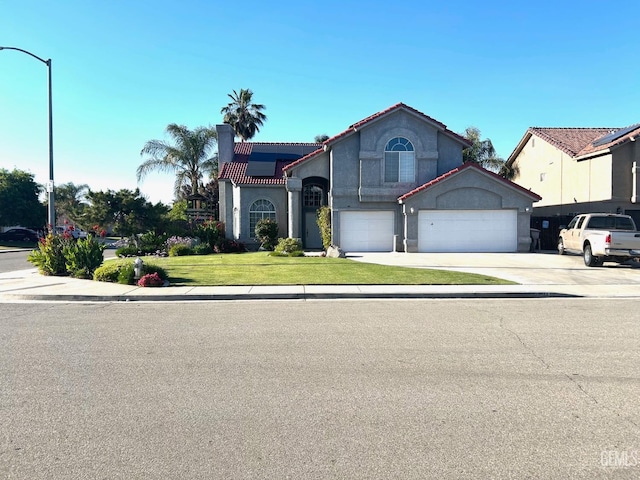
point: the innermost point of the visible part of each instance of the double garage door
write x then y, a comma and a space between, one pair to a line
468, 231
438, 231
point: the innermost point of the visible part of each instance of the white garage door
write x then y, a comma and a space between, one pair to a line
468, 231
366, 231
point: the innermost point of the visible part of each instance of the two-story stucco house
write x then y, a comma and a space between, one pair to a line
394, 181
579, 170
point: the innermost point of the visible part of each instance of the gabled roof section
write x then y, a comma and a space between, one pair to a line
462, 168
398, 106
578, 142
375, 117
267, 160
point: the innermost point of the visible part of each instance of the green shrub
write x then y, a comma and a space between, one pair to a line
266, 232
49, 257
289, 247
83, 257
123, 271
224, 245
179, 250
127, 274
202, 249
323, 219
209, 232
107, 272
150, 242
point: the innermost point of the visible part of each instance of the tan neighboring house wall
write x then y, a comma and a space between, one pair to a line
573, 176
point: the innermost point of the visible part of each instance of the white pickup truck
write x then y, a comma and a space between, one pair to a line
601, 237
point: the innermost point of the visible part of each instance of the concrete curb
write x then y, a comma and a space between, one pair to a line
284, 296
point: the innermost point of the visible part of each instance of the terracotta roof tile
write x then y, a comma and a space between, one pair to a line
461, 168
236, 171
570, 140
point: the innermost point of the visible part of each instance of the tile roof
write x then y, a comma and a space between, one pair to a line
354, 128
236, 171
576, 142
570, 140
461, 168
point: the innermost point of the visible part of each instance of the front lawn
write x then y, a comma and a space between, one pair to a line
259, 268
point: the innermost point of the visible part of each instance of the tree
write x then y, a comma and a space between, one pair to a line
321, 138
128, 212
481, 152
243, 115
188, 157
19, 203
71, 201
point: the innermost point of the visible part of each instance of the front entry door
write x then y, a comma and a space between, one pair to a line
313, 197
312, 237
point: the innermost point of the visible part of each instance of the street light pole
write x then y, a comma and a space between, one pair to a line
51, 217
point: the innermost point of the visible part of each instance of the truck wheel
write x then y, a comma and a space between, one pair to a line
589, 259
561, 250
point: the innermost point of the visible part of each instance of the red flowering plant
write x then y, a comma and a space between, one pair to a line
151, 280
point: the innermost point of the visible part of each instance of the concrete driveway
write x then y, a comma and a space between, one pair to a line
544, 268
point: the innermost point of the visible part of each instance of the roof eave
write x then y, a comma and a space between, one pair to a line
516, 151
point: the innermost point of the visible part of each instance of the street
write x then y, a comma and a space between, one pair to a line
539, 388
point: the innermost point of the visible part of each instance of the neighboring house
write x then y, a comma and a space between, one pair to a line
394, 182
579, 170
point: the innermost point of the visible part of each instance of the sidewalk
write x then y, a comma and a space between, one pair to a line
29, 285
543, 274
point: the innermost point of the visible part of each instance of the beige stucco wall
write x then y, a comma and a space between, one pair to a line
560, 179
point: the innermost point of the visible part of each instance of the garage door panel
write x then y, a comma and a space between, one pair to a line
467, 231
366, 231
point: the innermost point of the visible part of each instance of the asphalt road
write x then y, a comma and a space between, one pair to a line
13, 261
321, 389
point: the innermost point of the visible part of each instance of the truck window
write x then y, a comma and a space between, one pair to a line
624, 223
598, 223
580, 222
572, 223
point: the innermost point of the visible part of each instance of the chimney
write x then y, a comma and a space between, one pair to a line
226, 137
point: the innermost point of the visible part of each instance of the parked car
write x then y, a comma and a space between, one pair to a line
601, 237
19, 234
71, 230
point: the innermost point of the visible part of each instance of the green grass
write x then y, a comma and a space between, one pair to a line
259, 268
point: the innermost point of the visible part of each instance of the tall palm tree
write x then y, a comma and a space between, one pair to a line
188, 156
481, 151
243, 115
71, 200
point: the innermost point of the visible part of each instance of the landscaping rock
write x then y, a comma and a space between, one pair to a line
335, 252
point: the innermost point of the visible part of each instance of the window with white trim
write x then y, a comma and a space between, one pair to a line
259, 210
399, 161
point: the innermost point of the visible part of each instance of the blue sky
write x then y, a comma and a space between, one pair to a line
123, 70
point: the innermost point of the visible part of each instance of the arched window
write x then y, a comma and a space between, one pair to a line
312, 195
259, 210
399, 161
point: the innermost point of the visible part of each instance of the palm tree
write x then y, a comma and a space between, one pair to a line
71, 200
187, 157
243, 115
481, 152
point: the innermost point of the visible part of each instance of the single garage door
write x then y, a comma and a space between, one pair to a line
366, 231
468, 231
